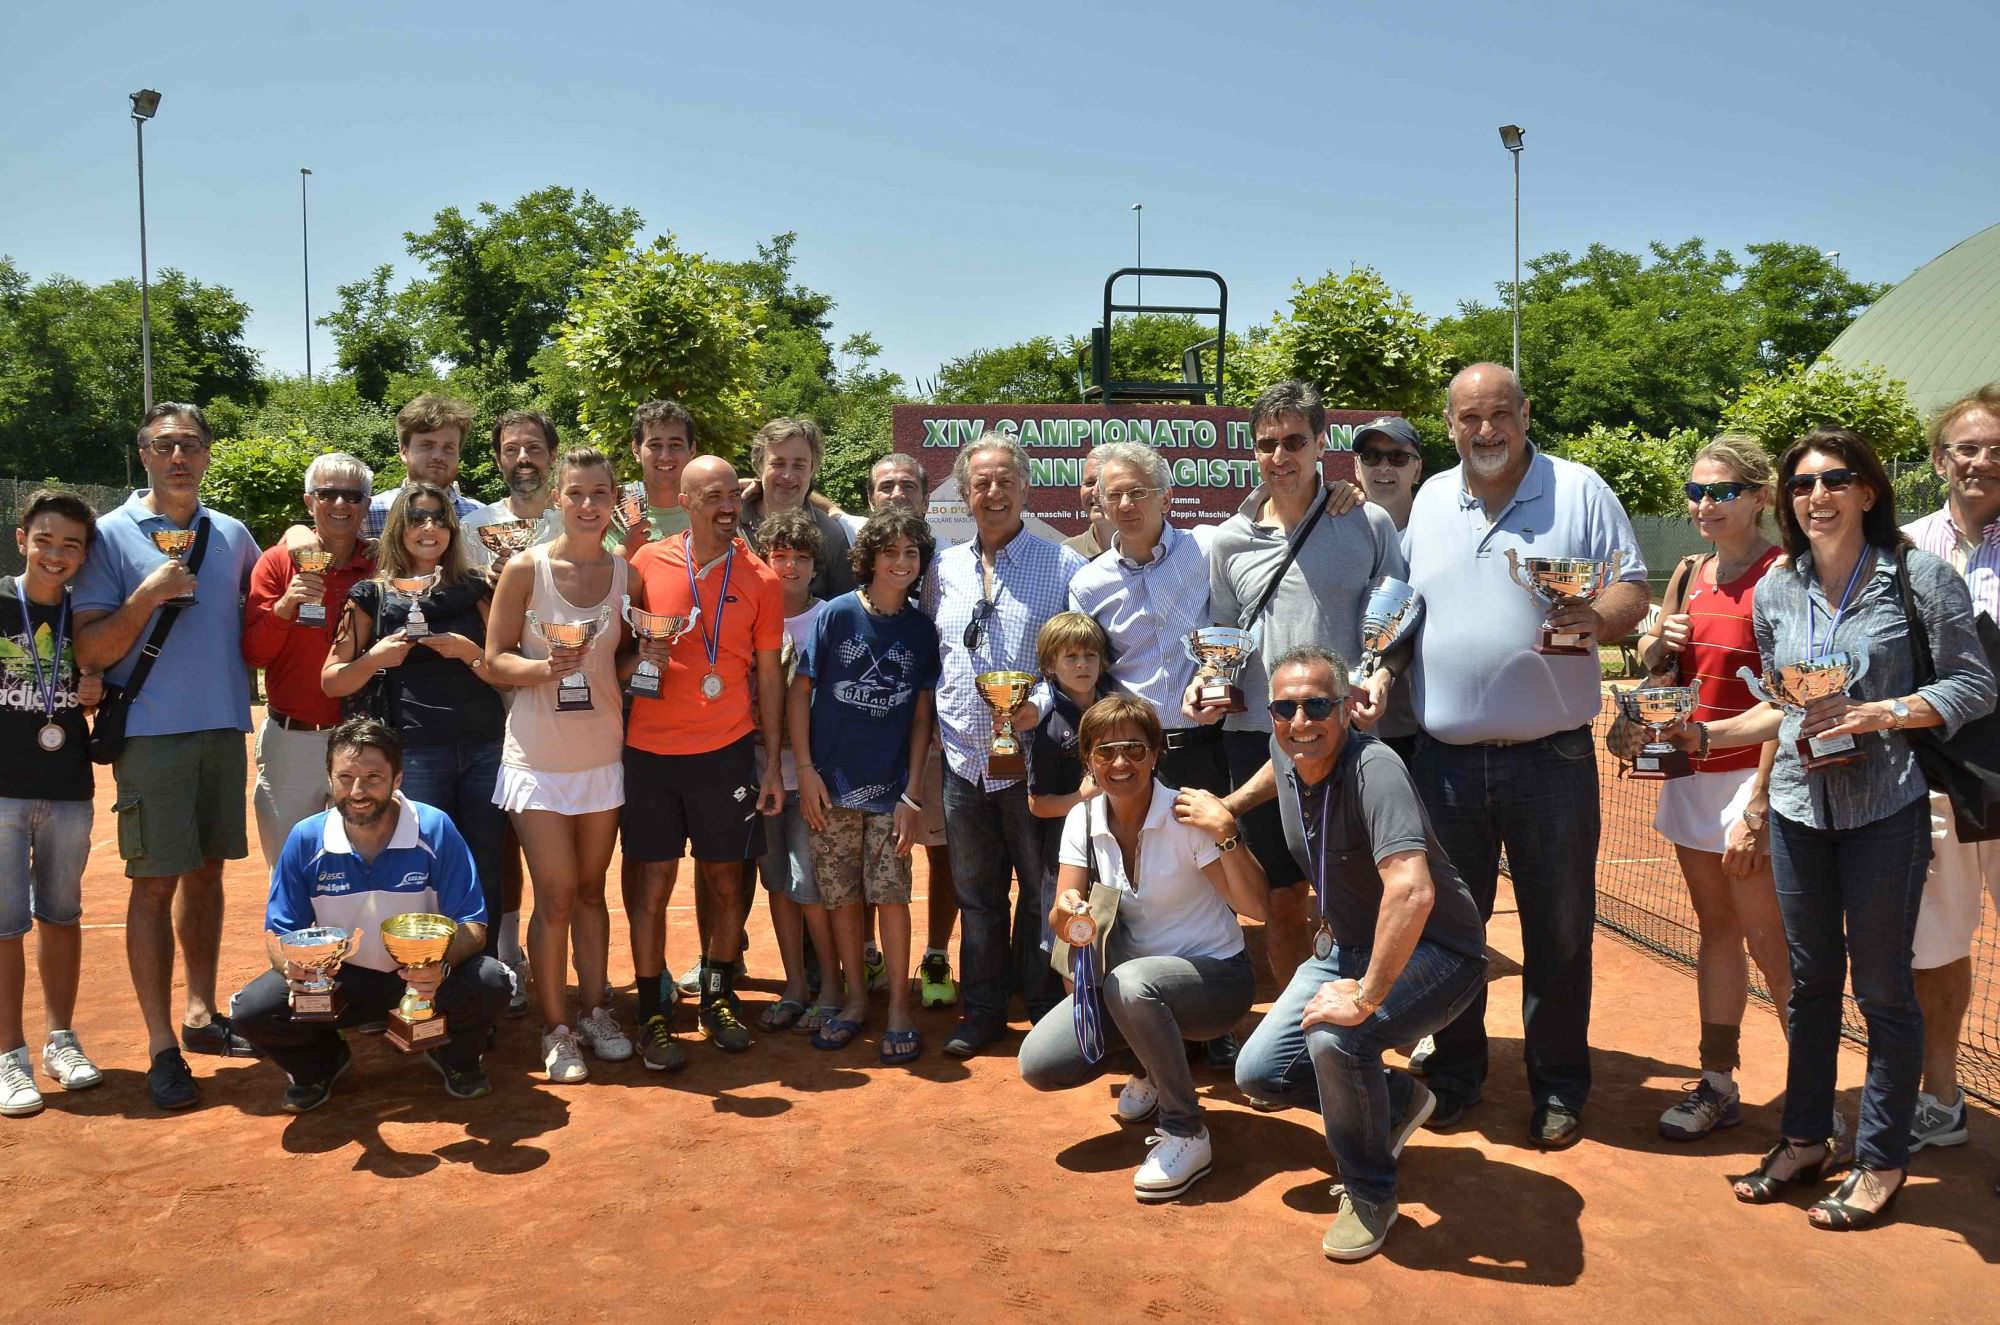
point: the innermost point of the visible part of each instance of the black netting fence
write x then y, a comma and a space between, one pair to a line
1641, 896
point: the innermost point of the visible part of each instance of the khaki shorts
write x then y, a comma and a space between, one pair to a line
854, 859
180, 802
1960, 873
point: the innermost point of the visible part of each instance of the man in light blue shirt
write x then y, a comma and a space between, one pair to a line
993, 595
179, 810
1505, 759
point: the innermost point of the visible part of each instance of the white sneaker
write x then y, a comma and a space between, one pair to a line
1935, 1125
1420, 1056
1175, 1164
517, 1002
18, 1096
599, 1030
1138, 1100
562, 1059
63, 1059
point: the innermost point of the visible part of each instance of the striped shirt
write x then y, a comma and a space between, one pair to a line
1978, 561
1148, 610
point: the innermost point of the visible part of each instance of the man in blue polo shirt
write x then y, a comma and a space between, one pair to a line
1505, 758
180, 810
374, 855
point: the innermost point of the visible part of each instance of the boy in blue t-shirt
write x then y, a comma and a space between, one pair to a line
861, 711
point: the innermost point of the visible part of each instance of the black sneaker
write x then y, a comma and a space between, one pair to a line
1220, 1053
970, 1037
725, 1030
1555, 1126
461, 1084
217, 1038
305, 1096
1450, 1108
170, 1083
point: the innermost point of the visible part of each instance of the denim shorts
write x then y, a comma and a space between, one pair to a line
786, 865
44, 846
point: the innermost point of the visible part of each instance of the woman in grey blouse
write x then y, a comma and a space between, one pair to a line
1850, 842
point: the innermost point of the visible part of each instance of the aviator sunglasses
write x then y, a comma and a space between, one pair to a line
1318, 708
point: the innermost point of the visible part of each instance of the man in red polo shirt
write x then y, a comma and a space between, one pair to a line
291, 644
690, 755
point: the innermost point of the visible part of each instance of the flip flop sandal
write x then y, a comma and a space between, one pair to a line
781, 1015
837, 1033
1765, 1187
901, 1046
815, 1017
1842, 1217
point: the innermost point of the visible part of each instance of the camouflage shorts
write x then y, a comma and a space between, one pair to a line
854, 859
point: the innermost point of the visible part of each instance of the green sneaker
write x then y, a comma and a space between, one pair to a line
725, 1030
1359, 1230
935, 987
658, 1049
875, 970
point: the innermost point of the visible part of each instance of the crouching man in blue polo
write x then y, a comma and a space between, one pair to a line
374, 855
1399, 948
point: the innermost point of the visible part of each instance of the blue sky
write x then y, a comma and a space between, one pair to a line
961, 176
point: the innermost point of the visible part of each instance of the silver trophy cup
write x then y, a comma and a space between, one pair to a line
1657, 708
573, 692
415, 627
1390, 615
1557, 582
1796, 686
319, 951
661, 626
1223, 652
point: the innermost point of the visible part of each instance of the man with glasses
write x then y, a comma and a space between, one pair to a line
1965, 452
1505, 759
1399, 947
430, 432
1312, 597
180, 779
288, 621
1389, 462
990, 599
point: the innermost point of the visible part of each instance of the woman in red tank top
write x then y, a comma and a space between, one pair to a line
1715, 817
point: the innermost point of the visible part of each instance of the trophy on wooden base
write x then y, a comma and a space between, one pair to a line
418, 939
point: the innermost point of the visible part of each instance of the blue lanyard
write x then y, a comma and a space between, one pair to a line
1867, 559
45, 689
711, 641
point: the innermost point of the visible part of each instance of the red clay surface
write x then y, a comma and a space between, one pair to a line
791, 1184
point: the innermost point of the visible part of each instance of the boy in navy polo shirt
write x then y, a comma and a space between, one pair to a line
374, 855
1075, 657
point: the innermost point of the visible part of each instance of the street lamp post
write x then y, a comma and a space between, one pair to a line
145, 105
305, 266
1510, 138
1139, 244
1834, 253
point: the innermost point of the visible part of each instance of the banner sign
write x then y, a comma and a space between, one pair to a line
1208, 451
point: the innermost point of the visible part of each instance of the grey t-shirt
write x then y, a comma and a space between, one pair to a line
1365, 812
1318, 602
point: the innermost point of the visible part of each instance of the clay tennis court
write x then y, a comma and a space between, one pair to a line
791, 1184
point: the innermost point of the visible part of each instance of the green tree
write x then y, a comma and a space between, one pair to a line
857, 420
1035, 371
1355, 337
261, 479
659, 321
1798, 301
375, 332
796, 368
71, 383
1646, 472
1779, 410
500, 282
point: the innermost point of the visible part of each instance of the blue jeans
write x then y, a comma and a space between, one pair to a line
995, 839
1338, 1069
44, 846
1850, 899
459, 779
1538, 800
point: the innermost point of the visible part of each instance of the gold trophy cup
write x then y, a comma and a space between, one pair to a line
1004, 692
175, 543
312, 561
417, 938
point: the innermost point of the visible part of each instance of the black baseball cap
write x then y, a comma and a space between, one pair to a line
1395, 428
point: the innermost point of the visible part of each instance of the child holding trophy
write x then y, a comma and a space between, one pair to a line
1074, 656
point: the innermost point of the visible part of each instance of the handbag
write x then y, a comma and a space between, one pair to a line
107, 733
1625, 736
376, 699
1964, 767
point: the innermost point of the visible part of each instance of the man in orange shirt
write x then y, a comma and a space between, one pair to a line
690, 755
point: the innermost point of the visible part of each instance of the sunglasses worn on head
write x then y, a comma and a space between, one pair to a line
1107, 753
1715, 492
352, 496
1318, 708
1370, 455
1835, 480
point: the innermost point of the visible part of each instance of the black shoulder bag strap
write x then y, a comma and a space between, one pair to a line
1298, 541
157, 641
1920, 640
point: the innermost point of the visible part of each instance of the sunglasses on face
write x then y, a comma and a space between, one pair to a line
352, 496
1291, 445
1106, 753
1318, 709
1834, 480
1369, 455
434, 519
975, 629
1715, 492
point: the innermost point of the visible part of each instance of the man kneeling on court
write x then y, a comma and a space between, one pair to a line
1399, 948
374, 855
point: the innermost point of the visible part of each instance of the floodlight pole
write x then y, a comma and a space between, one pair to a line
145, 279
1139, 245
305, 263
1510, 138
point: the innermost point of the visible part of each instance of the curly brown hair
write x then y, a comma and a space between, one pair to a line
880, 533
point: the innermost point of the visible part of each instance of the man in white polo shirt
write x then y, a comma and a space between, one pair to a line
1505, 758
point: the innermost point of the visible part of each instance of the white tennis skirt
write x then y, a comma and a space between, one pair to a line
1697, 811
584, 792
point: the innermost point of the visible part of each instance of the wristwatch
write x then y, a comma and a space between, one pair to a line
1229, 843
1367, 1006
1899, 714
1754, 820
